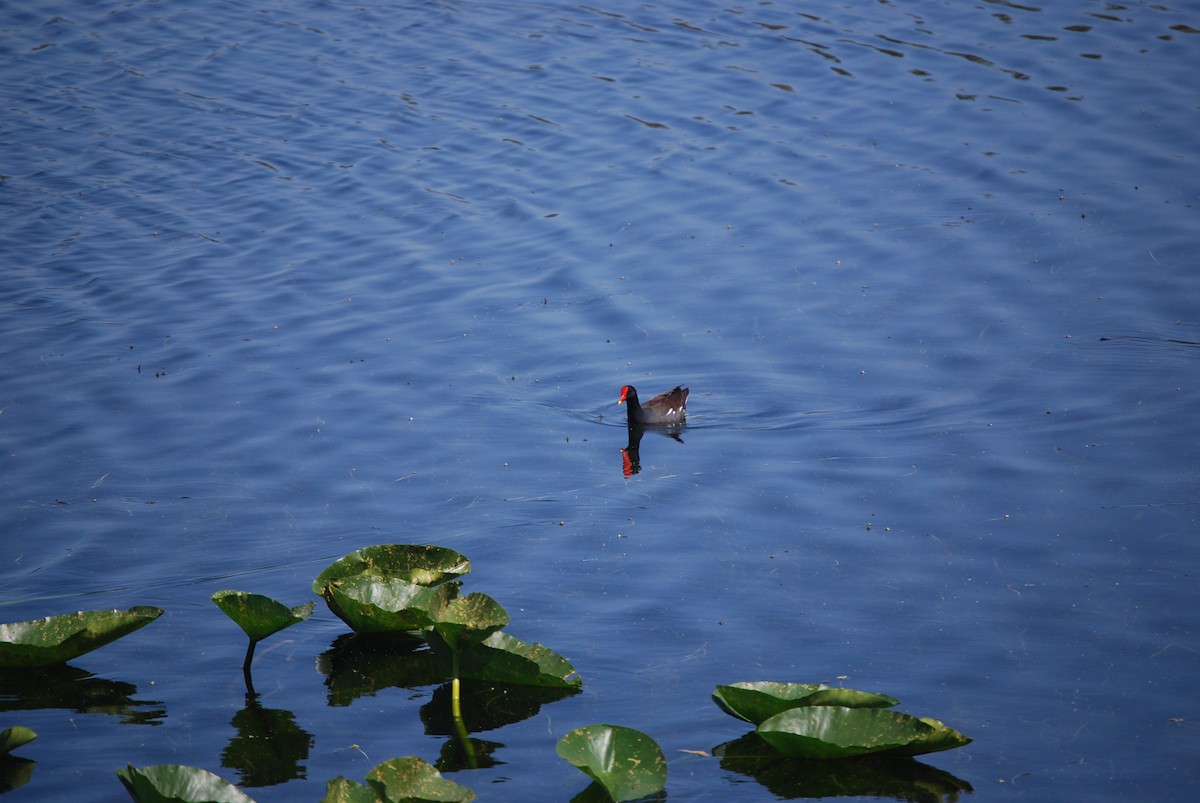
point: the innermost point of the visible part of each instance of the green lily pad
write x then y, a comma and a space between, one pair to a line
840, 732
756, 702
627, 763
14, 737
260, 616
372, 604
58, 639
500, 658
420, 564
402, 780
339, 790
175, 783
467, 620
413, 779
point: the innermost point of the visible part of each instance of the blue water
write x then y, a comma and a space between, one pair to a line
282, 280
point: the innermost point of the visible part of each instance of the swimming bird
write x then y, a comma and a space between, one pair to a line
665, 409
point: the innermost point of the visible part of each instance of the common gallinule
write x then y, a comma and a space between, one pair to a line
665, 409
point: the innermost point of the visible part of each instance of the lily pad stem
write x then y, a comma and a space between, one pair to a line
460, 727
246, 665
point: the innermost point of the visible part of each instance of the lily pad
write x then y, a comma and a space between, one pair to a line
420, 564
372, 604
339, 790
402, 780
175, 783
627, 763
14, 737
467, 620
348, 791
260, 616
840, 732
500, 658
756, 702
413, 779
58, 639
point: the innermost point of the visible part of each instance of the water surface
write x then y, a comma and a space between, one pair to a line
283, 281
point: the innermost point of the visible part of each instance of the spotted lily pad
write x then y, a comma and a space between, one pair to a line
467, 620
372, 604
411, 778
627, 763
420, 564
500, 658
408, 779
58, 639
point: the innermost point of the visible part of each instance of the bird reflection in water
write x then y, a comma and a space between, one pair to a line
666, 414
631, 462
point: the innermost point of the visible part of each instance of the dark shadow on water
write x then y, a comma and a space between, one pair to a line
15, 772
269, 748
488, 706
362, 664
791, 778
456, 756
595, 793
74, 689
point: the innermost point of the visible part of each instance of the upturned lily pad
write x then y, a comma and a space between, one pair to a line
260, 616
58, 639
175, 783
14, 737
840, 732
627, 763
756, 702
420, 564
500, 658
467, 620
402, 780
372, 604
